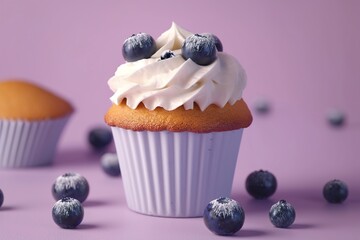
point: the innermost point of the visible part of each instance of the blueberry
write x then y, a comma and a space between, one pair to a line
224, 216
261, 184
282, 214
335, 191
167, 54
67, 213
218, 43
138, 46
1, 198
199, 48
70, 185
336, 118
110, 164
100, 137
262, 106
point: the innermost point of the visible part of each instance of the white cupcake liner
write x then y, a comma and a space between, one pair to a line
29, 143
176, 174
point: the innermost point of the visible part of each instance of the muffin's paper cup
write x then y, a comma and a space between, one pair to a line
29, 143
176, 174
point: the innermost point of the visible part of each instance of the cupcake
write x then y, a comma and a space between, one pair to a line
31, 122
177, 118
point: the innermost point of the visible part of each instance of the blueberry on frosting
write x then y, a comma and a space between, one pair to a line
167, 54
217, 41
138, 46
199, 48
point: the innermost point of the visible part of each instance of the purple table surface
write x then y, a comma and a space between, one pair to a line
294, 158
303, 56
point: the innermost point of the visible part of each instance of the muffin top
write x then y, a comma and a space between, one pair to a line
22, 100
212, 119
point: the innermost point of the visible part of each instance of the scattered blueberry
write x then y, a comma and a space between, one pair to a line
218, 43
167, 54
1, 198
335, 191
70, 185
262, 106
110, 164
261, 184
282, 214
336, 117
199, 48
100, 137
68, 213
138, 46
224, 216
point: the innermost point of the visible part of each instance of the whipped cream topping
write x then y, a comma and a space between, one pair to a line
176, 82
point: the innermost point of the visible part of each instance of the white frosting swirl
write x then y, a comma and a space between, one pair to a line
176, 82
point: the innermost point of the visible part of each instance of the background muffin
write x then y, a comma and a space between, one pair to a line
31, 122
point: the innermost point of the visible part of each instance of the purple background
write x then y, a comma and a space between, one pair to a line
303, 56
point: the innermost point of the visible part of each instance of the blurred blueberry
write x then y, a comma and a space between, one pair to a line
110, 164
67, 213
217, 41
200, 49
224, 216
282, 214
71, 185
336, 117
262, 106
138, 46
261, 184
167, 54
1, 197
335, 191
100, 137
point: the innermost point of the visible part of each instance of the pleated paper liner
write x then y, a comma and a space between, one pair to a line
29, 143
176, 174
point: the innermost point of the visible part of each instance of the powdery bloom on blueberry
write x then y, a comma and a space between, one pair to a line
138, 46
66, 206
282, 214
68, 180
142, 40
225, 207
199, 42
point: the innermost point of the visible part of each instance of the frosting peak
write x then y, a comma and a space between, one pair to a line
176, 82
172, 39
